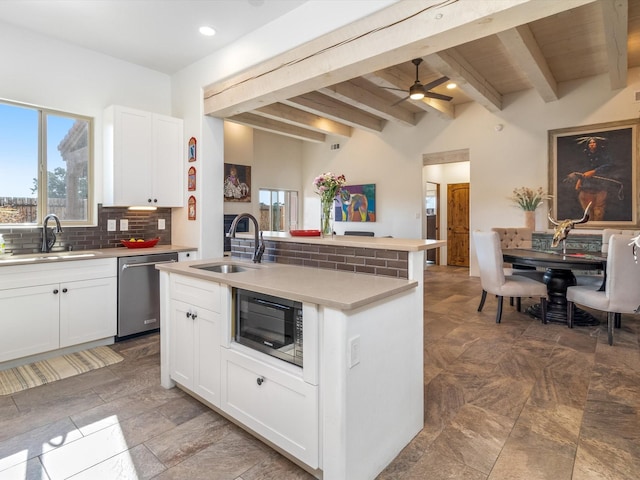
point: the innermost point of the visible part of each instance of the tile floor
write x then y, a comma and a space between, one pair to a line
519, 400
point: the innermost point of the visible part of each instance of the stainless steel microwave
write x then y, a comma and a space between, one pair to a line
272, 325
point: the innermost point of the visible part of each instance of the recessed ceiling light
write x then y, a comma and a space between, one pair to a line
451, 86
208, 31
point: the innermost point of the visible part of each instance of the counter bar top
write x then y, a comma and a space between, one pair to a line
341, 290
382, 243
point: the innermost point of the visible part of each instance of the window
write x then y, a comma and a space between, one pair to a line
46, 162
278, 210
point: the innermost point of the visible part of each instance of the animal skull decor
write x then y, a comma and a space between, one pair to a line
562, 228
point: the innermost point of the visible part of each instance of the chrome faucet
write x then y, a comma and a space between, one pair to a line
47, 243
259, 245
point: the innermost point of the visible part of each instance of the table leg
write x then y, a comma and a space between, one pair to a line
557, 281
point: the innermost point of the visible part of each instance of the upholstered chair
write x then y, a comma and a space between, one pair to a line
622, 287
607, 232
493, 279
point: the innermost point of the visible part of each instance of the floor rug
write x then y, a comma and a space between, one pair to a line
34, 374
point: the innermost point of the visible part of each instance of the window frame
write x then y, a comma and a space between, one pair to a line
42, 172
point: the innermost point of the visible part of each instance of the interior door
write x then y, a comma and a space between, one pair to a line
458, 224
432, 209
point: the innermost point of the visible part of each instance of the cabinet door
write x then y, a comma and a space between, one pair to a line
132, 160
275, 404
181, 336
88, 310
29, 321
168, 154
206, 382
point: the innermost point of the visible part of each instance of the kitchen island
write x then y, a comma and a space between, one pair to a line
357, 400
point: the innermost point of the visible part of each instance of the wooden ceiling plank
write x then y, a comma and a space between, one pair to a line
352, 94
524, 51
442, 109
615, 15
410, 28
280, 128
295, 116
454, 66
319, 104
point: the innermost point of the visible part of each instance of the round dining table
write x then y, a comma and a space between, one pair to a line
558, 276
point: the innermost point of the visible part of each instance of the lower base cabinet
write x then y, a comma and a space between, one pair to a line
281, 407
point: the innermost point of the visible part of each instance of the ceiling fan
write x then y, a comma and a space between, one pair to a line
417, 91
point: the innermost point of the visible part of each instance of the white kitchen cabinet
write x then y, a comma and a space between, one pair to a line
50, 306
87, 310
273, 402
29, 321
185, 256
195, 336
143, 158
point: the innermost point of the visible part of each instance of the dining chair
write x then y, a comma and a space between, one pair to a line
621, 293
493, 279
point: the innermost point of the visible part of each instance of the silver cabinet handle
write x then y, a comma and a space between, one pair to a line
145, 264
260, 380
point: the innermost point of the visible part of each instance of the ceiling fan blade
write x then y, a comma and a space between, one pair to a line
399, 101
438, 96
436, 83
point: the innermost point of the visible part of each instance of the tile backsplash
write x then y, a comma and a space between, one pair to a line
142, 224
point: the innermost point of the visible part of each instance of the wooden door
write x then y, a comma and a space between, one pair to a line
458, 224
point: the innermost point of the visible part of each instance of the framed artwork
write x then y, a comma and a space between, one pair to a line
595, 164
192, 149
356, 203
191, 179
191, 208
237, 183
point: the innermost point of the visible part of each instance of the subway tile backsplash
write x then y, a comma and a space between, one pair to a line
142, 224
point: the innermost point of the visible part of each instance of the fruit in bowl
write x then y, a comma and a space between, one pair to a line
139, 243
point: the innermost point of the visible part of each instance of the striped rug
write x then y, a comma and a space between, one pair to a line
34, 374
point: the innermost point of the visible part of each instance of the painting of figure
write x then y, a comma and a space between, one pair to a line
356, 203
595, 165
237, 183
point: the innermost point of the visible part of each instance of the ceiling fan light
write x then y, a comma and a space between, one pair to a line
416, 92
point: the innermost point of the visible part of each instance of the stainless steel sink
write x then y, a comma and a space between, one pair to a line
39, 257
222, 267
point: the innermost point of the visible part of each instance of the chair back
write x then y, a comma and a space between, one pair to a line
607, 232
623, 276
489, 255
514, 237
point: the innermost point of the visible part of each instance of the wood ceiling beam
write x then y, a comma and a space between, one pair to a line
405, 30
615, 14
355, 94
319, 104
525, 52
300, 118
281, 128
454, 66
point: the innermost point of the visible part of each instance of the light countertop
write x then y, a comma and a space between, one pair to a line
332, 288
383, 243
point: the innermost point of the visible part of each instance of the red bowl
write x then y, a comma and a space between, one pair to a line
145, 244
305, 233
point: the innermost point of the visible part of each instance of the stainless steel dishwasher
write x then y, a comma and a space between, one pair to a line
139, 293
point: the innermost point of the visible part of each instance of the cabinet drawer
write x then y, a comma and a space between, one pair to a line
275, 404
194, 291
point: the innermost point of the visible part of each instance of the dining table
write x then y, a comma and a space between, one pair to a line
558, 276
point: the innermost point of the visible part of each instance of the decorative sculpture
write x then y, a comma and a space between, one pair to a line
635, 241
563, 228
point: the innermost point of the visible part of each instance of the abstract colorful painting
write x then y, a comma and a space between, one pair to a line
356, 203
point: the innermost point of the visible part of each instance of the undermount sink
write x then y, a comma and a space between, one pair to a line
34, 257
222, 267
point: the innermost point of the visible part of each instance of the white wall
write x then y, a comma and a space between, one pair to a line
47, 73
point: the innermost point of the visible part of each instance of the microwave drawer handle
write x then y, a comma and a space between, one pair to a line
145, 264
271, 304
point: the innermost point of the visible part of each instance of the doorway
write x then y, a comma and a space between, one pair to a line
432, 211
458, 224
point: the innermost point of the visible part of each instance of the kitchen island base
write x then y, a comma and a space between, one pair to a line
356, 403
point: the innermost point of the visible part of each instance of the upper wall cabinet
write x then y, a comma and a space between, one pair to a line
143, 159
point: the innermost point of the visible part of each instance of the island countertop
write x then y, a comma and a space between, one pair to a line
383, 243
337, 289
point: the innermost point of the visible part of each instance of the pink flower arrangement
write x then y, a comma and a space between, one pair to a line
328, 186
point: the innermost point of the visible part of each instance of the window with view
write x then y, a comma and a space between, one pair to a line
46, 161
278, 210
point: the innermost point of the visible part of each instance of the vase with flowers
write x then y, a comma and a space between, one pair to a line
328, 186
529, 200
